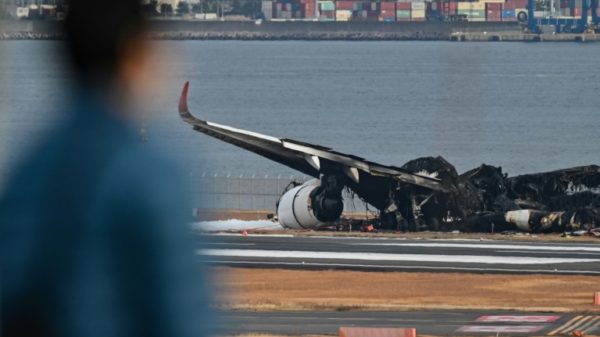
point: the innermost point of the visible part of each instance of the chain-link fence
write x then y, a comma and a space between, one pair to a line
250, 191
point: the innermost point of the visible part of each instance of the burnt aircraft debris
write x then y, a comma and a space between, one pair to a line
486, 199
425, 193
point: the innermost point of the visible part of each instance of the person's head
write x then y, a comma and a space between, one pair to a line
106, 44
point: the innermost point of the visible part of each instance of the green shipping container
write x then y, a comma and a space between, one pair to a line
403, 14
327, 5
472, 14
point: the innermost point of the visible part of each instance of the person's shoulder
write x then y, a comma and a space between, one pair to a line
145, 160
140, 168
30, 168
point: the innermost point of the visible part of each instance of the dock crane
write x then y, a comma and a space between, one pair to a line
564, 25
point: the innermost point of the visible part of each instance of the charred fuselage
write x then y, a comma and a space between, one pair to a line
486, 199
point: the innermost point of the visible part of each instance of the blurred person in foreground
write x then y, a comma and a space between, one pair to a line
93, 229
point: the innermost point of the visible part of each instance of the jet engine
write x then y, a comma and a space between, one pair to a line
311, 204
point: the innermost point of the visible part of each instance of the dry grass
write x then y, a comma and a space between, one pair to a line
279, 289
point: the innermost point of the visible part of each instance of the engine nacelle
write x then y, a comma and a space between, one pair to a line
309, 205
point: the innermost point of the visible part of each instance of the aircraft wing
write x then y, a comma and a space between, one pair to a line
310, 159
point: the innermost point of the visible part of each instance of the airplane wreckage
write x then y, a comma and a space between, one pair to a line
425, 193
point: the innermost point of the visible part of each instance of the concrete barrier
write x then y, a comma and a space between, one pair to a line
377, 332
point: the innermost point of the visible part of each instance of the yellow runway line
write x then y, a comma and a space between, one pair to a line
568, 324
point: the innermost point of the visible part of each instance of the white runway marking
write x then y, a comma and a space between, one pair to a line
517, 319
252, 235
500, 328
546, 252
291, 254
486, 246
404, 267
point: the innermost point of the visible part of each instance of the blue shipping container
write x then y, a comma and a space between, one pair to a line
508, 13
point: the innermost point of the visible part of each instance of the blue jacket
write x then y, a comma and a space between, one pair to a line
93, 237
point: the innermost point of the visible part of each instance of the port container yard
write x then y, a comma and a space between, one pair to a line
418, 10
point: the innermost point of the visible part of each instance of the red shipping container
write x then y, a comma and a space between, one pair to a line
403, 6
328, 14
514, 4
449, 8
345, 5
309, 10
493, 17
490, 6
388, 6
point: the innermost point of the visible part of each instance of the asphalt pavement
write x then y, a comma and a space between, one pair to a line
384, 254
503, 323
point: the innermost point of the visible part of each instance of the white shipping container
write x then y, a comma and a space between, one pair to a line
373, 6
211, 16
267, 5
22, 12
417, 14
343, 15
267, 9
417, 5
476, 6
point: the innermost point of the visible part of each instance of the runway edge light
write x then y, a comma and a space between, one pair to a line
377, 332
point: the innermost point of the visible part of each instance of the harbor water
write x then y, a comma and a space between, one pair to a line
526, 107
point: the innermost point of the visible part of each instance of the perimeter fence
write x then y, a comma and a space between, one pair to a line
250, 191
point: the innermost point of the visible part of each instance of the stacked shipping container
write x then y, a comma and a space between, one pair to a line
388, 12
409, 10
290, 9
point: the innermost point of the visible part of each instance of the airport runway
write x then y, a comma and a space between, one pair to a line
426, 322
378, 254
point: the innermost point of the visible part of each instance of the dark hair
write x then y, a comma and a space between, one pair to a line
96, 32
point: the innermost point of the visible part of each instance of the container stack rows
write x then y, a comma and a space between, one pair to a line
291, 9
38, 11
411, 10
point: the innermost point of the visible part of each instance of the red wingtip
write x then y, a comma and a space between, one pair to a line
183, 106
